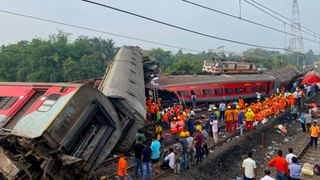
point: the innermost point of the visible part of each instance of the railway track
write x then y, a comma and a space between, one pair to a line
310, 155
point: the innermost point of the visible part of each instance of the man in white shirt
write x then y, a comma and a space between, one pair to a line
169, 160
249, 167
267, 175
290, 155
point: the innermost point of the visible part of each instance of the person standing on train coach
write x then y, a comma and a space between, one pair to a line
222, 109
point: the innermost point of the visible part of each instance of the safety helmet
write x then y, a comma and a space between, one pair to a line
209, 109
214, 108
238, 107
174, 118
229, 107
187, 134
182, 134
198, 128
178, 117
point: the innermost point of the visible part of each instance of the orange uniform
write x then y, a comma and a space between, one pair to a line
241, 103
235, 114
122, 167
229, 117
173, 127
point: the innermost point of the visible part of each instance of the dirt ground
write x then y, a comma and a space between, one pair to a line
225, 161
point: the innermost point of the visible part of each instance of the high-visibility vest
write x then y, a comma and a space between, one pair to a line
165, 117
228, 115
180, 126
173, 127
235, 113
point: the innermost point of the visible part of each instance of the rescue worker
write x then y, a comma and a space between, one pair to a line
165, 119
241, 103
249, 116
229, 118
235, 114
180, 125
314, 134
152, 109
158, 130
216, 112
173, 126
190, 156
184, 154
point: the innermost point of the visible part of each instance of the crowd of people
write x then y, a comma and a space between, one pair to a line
192, 134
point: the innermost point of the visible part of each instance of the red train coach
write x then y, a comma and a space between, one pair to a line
56, 121
214, 88
211, 88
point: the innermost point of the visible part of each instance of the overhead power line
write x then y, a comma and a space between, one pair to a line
304, 27
274, 16
98, 31
246, 20
183, 28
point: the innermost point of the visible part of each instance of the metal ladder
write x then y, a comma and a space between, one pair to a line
155, 92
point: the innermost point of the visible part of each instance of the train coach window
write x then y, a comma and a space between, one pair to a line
262, 88
228, 90
49, 102
7, 101
240, 90
218, 91
254, 89
182, 93
207, 91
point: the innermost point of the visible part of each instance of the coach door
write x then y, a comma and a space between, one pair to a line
268, 88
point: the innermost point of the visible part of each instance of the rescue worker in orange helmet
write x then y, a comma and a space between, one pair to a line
229, 118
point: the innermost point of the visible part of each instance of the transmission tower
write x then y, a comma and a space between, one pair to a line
296, 42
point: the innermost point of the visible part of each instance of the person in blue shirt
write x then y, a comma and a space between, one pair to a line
155, 147
240, 121
146, 161
302, 120
295, 169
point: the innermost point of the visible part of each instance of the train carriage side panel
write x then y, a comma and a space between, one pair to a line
124, 84
216, 88
64, 118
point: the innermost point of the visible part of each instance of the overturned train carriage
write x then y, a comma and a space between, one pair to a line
65, 131
55, 128
123, 83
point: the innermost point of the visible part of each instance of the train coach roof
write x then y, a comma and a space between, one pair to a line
199, 79
40, 84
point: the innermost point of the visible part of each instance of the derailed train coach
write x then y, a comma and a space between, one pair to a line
65, 130
216, 88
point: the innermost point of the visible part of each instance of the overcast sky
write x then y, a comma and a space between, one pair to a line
14, 28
